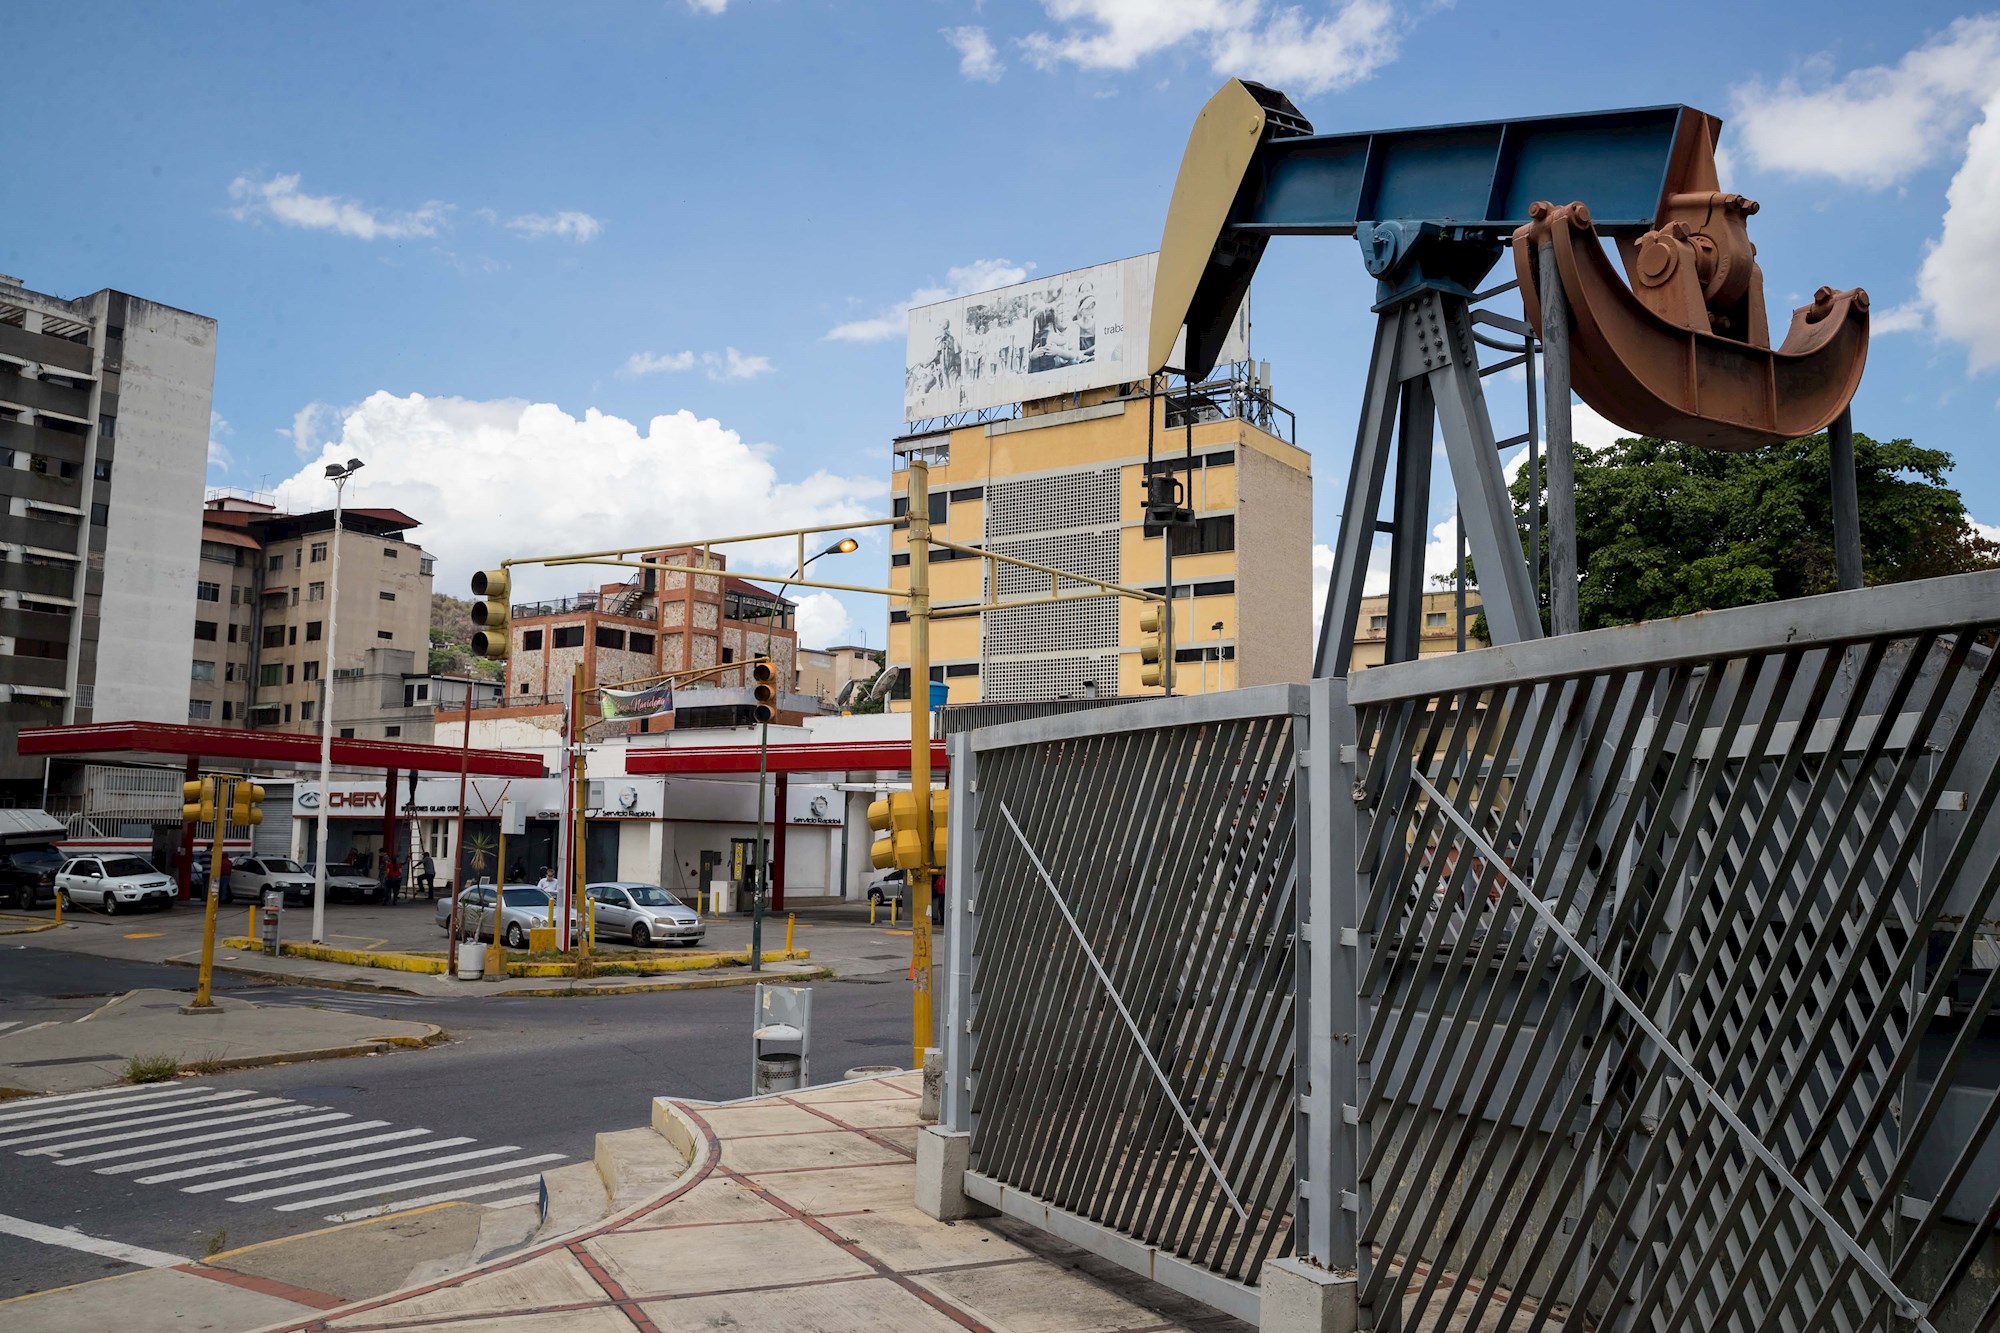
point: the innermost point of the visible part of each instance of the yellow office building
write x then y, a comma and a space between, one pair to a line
1062, 483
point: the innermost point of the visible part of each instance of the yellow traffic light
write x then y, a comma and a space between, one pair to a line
764, 689
490, 614
246, 808
896, 820
1157, 671
198, 801
940, 818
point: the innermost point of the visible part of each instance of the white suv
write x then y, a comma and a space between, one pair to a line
113, 883
252, 875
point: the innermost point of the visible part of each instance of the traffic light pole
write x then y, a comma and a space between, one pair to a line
225, 794
919, 504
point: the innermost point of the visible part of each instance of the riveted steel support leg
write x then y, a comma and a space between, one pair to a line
1364, 499
1846, 502
1412, 508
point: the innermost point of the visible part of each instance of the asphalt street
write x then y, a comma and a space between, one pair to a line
526, 1083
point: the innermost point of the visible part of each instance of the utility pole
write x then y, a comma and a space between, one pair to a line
337, 473
919, 504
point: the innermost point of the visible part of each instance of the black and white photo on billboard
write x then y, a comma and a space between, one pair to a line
1064, 333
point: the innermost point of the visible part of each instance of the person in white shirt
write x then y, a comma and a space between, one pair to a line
547, 884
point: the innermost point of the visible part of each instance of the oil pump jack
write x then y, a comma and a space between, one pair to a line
1681, 351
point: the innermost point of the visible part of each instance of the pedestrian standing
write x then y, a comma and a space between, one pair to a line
223, 883
392, 878
427, 875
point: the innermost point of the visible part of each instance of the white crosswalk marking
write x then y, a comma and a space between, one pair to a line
400, 1168
290, 1119
424, 1180
163, 1113
272, 1107
337, 1164
238, 1163
250, 1148
447, 1196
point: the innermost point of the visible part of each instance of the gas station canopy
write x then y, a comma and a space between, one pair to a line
838, 757
178, 742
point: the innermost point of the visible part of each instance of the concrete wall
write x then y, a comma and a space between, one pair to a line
1274, 626
153, 537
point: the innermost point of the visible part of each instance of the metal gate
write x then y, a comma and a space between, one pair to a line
1674, 959
1120, 1003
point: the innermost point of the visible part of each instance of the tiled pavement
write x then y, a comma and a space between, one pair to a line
797, 1216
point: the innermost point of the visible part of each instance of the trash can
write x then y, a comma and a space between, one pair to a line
471, 961
777, 1072
268, 917
940, 695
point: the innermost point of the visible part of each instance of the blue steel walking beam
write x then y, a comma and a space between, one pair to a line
1432, 207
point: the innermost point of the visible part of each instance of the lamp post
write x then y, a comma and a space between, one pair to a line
1215, 651
841, 547
337, 473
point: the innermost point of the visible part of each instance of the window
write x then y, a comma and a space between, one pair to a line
230, 672
1207, 535
426, 565
962, 669
389, 552
606, 637
288, 712
1435, 619
312, 631
100, 514
729, 654
312, 671
347, 733
228, 710
107, 426
568, 636
68, 471
205, 630
274, 636
524, 688
1378, 622
639, 643
295, 597
392, 731
103, 469
232, 632
275, 562
290, 671
386, 596
386, 635
293, 637
271, 673
531, 640
306, 711
200, 710
202, 671
315, 592
318, 552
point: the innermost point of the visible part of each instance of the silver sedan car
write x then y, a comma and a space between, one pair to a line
523, 908
644, 914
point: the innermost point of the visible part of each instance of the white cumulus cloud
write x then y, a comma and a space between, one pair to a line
505, 478
976, 57
280, 199
823, 621
1326, 49
980, 275
566, 225
728, 364
1879, 126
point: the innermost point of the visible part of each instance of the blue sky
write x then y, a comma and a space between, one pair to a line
649, 218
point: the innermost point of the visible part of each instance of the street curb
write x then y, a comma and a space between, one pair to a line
374, 1046
34, 929
288, 979
478, 991
391, 961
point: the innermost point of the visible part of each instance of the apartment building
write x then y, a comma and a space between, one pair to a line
1064, 484
1439, 632
104, 412
825, 672
263, 612
656, 623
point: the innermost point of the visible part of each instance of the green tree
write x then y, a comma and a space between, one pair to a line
1664, 529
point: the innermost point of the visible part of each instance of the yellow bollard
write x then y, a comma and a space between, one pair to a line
872, 905
895, 906
250, 931
791, 919
59, 903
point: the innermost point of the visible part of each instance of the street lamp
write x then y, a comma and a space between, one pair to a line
1215, 651
841, 547
337, 473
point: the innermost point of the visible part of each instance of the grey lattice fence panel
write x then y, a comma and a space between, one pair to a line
1123, 998
1675, 961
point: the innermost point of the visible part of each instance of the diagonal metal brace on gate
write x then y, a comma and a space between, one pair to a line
1905, 1305
1090, 955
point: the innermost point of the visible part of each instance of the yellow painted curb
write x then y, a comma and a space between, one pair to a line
34, 926
404, 962
394, 962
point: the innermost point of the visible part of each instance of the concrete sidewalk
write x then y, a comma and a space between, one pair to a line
796, 1216
92, 1051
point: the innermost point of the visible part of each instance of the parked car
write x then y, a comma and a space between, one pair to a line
28, 875
113, 883
343, 881
523, 908
886, 885
643, 913
249, 877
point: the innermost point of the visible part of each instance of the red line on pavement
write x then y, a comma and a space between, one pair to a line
264, 1286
